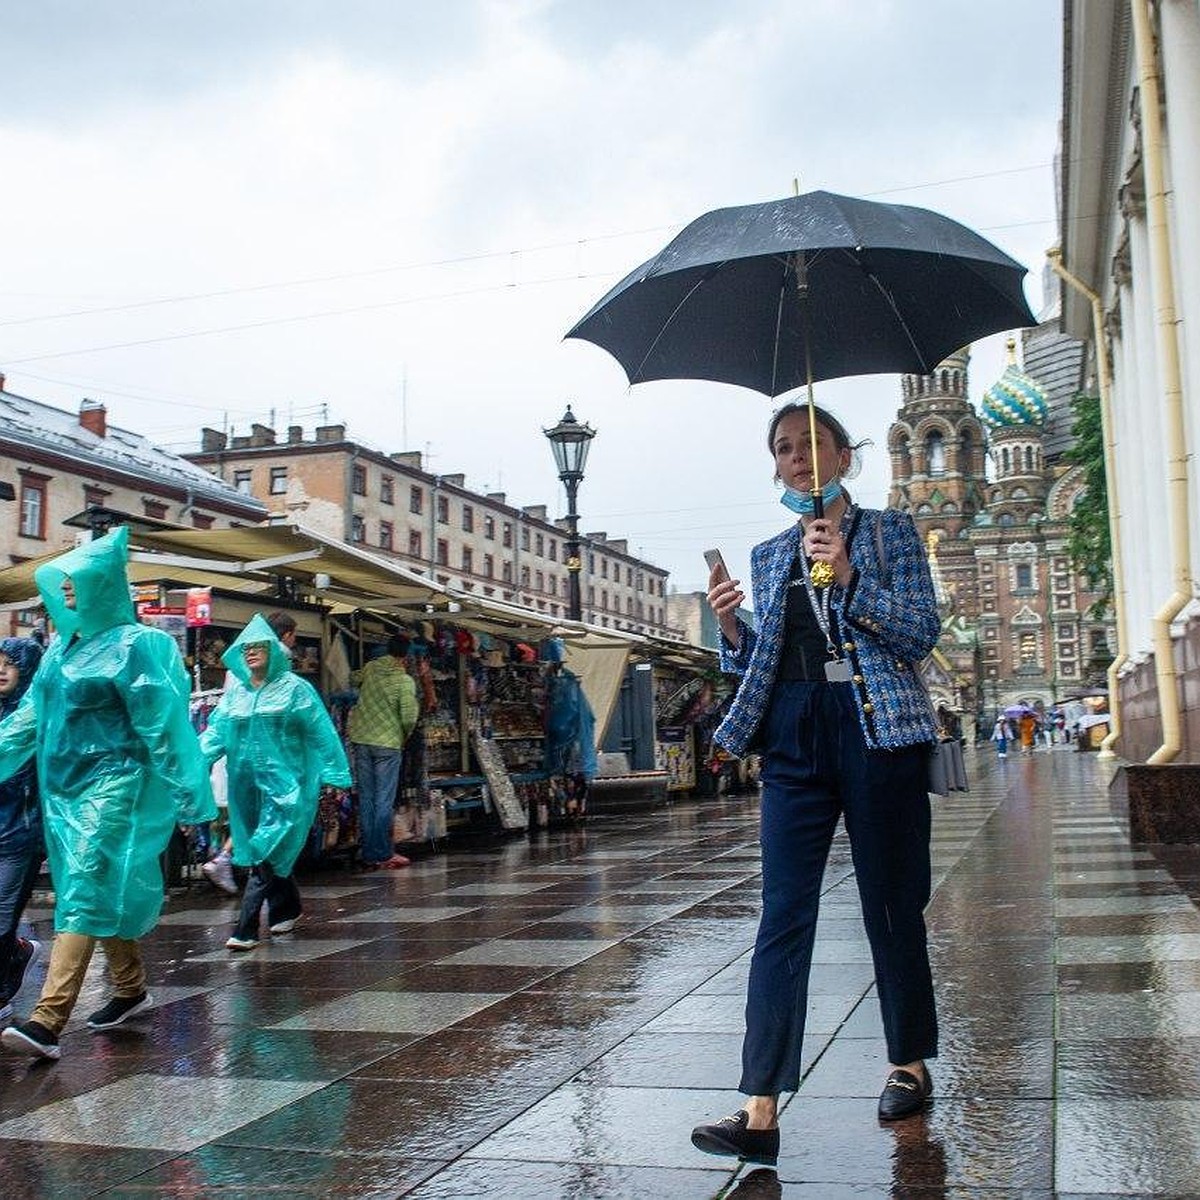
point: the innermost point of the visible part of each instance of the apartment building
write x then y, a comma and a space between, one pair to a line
54, 465
477, 542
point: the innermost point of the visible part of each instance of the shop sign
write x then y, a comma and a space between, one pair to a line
199, 607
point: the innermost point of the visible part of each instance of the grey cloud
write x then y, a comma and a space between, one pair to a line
71, 61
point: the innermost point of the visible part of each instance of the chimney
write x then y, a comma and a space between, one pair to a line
212, 440
261, 435
331, 433
295, 434
93, 416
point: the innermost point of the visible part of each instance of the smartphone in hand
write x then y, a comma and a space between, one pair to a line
714, 559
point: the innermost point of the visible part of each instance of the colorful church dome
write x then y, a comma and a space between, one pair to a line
1015, 398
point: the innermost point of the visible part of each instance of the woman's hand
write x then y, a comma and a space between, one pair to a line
823, 542
724, 598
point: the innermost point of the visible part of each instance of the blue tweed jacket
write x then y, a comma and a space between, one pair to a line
888, 622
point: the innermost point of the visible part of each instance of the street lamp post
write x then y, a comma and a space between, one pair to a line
570, 442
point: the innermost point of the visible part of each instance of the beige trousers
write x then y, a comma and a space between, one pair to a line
69, 959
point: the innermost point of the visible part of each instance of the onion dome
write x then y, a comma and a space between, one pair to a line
1014, 399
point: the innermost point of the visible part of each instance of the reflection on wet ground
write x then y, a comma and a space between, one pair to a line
550, 1018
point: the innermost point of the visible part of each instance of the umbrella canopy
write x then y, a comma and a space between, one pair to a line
1018, 710
773, 296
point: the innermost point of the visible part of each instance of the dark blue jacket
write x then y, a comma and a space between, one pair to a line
888, 620
20, 814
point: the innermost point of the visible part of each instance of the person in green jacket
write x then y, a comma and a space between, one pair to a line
280, 746
118, 764
380, 722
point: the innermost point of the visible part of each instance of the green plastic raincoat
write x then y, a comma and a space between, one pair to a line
280, 746
118, 761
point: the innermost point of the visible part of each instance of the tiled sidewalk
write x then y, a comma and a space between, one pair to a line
550, 1019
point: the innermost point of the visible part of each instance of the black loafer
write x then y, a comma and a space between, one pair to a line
904, 1094
733, 1136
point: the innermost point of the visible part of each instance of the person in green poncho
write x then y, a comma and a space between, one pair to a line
118, 764
280, 746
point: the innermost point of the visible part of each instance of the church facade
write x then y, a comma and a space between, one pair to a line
993, 508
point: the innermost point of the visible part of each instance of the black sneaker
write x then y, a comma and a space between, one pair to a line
31, 1038
26, 955
118, 1009
734, 1137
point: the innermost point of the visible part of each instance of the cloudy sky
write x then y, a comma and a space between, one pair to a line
388, 212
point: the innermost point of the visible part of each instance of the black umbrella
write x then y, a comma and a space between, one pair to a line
774, 296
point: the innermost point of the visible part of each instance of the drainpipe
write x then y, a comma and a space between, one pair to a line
1168, 352
1107, 425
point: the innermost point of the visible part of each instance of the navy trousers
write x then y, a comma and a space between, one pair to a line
816, 767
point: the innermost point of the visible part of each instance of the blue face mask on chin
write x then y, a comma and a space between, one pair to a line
802, 504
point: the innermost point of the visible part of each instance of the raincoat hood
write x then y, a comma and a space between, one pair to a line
97, 570
25, 654
258, 630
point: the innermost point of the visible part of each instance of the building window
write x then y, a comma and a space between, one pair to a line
935, 449
387, 488
506, 539
524, 537
468, 560
443, 510
414, 543
385, 535
94, 496
554, 585
506, 572
1027, 651
155, 508
524, 577
358, 529
553, 550
1024, 575
604, 568
33, 508
416, 500
489, 567
202, 520
443, 552
241, 481
489, 526
539, 546
358, 479
1028, 458
468, 519
278, 481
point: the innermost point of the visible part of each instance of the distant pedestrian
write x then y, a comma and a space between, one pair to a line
20, 828
380, 723
118, 767
1028, 726
280, 745
1000, 737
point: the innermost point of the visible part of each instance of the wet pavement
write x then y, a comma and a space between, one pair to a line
550, 1018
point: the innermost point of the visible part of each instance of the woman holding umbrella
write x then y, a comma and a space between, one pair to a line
831, 693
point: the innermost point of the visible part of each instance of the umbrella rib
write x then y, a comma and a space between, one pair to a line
674, 313
778, 327
891, 303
